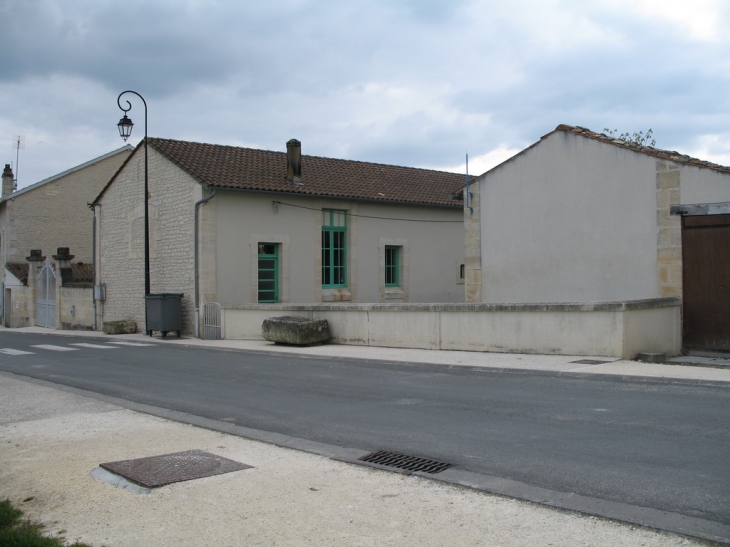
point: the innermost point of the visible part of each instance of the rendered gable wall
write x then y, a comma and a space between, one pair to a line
573, 219
569, 220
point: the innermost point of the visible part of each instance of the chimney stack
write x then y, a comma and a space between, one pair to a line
293, 161
8, 180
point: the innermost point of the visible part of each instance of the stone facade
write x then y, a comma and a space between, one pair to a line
669, 230
54, 213
473, 246
172, 196
76, 308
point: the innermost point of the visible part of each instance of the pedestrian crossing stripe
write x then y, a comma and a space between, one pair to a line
11, 351
131, 344
95, 346
54, 348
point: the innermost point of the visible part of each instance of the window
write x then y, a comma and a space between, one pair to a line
334, 249
392, 266
268, 286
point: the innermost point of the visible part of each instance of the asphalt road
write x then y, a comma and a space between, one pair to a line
648, 443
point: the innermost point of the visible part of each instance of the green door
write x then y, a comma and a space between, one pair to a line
268, 272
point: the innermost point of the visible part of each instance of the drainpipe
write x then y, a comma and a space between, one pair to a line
198, 204
93, 260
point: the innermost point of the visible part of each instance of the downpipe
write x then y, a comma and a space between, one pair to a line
198, 204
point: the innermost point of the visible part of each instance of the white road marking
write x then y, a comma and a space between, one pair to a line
54, 348
95, 346
131, 344
11, 351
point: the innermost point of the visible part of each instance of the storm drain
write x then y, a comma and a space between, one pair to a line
590, 362
156, 471
408, 463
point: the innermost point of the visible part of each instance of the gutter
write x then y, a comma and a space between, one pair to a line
198, 204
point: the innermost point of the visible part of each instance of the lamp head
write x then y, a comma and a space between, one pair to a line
125, 126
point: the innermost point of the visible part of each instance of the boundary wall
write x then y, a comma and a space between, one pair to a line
611, 329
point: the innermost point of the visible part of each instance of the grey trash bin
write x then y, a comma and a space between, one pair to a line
164, 313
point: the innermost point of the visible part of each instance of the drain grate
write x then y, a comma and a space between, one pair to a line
590, 362
401, 461
156, 471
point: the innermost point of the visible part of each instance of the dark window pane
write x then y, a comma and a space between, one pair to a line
266, 285
266, 264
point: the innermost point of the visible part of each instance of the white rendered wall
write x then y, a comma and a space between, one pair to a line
616, 329
433, 249
569, 220
703, 186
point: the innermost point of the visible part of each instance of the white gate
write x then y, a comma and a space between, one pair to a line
45, 297
212, 321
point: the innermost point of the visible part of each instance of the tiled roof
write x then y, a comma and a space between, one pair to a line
656, 152
82, 273
19, 270
219, 166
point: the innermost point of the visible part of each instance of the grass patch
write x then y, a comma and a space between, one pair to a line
18, 532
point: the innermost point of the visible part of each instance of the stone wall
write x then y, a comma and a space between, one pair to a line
612, 329
473, 246
55, 214
21, 307
669, 230
76, 308
172, 195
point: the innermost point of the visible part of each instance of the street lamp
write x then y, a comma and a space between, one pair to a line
125, 130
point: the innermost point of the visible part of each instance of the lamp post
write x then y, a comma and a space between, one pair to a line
125, 130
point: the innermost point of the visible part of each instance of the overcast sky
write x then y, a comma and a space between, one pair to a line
407, 82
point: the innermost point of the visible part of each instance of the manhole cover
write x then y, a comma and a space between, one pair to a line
401, 461
156, 471
590, 362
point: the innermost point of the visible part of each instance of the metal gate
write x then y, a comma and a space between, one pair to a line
45, 297
706, 282
212, 321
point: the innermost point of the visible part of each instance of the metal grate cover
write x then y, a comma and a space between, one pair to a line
401, 461
156, 471
590, 362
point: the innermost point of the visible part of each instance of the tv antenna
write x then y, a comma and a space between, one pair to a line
18, 144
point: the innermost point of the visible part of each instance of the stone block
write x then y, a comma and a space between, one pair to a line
119, 327
299, 331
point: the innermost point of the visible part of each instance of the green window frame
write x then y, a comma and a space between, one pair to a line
392, 266
334, 248
268, 276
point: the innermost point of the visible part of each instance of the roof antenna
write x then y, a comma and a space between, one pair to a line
468, 193
18, 144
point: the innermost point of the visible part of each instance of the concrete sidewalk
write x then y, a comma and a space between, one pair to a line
53, 437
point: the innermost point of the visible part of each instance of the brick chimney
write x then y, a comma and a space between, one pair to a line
8, 180
294, 161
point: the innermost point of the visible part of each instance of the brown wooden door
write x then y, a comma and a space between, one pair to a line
706, 282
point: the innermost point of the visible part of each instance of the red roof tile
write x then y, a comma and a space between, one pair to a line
648, 150
219, 166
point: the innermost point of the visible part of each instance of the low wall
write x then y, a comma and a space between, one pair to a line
76, 308
21, 307
611, 329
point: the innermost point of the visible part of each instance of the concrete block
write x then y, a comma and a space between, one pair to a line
119, 327
299, 331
